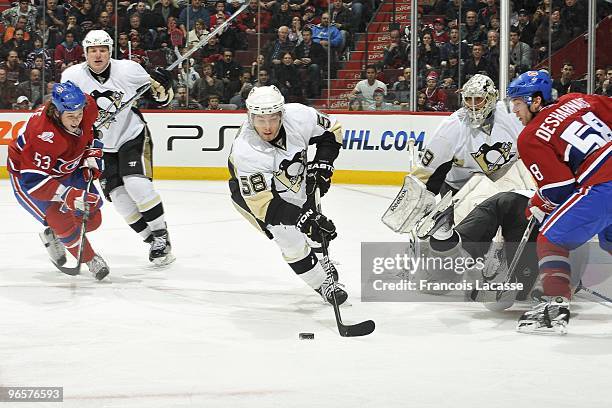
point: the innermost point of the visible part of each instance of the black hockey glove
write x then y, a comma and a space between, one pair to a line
163, 76
318, 174
315, 225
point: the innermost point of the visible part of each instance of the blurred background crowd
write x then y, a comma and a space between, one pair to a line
338, 54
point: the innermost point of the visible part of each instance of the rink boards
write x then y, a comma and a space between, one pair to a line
192, 145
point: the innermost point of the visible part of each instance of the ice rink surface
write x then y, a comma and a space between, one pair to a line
219, 327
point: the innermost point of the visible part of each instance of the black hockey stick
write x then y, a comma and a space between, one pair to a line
355, 330
517, 255
77, 269
592, 292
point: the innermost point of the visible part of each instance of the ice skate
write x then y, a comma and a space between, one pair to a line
549, 316
442, 216
161, 249
327, 289
98, 267
54, 246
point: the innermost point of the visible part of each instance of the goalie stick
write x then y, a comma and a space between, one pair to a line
77, 269
355, 330
106, 118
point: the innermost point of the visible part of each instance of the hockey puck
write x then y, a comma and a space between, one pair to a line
306, 336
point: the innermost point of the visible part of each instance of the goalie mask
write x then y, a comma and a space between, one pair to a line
479, 97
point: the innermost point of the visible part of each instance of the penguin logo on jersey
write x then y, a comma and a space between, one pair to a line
108, 102
492, 158
290, 173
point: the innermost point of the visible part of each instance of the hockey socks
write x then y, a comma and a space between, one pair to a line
554, 268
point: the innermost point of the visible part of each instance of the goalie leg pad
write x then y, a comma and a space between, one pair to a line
409, 206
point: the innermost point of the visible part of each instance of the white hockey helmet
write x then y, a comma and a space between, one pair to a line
96, 38
265, 100
479, 86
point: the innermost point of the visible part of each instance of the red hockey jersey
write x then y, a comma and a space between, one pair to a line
569, 144
44, 152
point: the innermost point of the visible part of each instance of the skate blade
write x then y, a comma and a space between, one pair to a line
556, 329
166, 260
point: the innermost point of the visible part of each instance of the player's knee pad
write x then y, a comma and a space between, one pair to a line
142, 192
124, 204
291, 242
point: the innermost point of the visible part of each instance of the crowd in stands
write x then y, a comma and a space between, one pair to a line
299, 45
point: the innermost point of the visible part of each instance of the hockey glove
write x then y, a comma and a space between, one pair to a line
538, 207
161, 86
315, 225
76, 199
318, 174
92, 163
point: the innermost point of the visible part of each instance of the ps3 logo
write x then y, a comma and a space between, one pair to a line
196, 133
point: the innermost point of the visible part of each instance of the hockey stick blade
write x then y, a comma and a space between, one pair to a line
356, 330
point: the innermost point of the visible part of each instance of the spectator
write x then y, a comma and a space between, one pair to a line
104, 23
212, 52
73, 27
9, 34
228, 71
328, 35
422, 105
311, 59
436, 97
358, 9
18, 44
299, 5
23, 103
295, 31
8, 90
22, 9
34, 88
219, 11
341, 18
401, 88
150, 20
54, 15
109, 7
440, 33
181, 101
258, 64
355, 104
454, 46
396, 52
275, 50
600, 77
251, 21
43, 53
309, 19
471, 32
287, 79
86, 16
47, 96
213, 102
489, 10
380, 104
574, 17
196, 35
450, 73
234, 5
146, 36
187, 75
263, 78
559, 35
478, 65
520, 53
50, 35
563, 84
492, 51
191, 13
137, 53
542, 13
365, 88
15, 71
240, 98
525, 28
234, 87
493, 24
606, 87
207, 85
68, 53
172, 36
429, 54
282, 17
122, 48
229, 36
165, 9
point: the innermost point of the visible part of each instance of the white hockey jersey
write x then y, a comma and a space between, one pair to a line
126, 77
470, 150
264, 170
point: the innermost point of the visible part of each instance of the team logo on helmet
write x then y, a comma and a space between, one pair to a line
290, 173
492, 158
